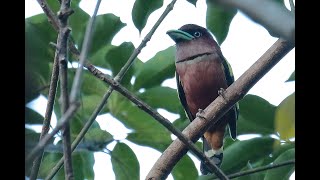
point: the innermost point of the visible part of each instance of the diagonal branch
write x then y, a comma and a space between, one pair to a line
219, 107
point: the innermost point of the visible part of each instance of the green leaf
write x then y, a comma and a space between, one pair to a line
218, 20
38, 54
239, 153
146, 131
284, 172
125, 163
141, 11
32, 117
278, 149
106, 26
162, 97
194, 2
185, 169
78, 22
82, 163
48, 162
292, 77
156, 70
256, 116
285, 118
99, 136
117, 57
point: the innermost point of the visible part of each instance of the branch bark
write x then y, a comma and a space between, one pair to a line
219, 107
48, 114
62, 42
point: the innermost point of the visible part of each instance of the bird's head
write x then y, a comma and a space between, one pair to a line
192, 40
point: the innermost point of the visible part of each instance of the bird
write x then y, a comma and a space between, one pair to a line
202, 74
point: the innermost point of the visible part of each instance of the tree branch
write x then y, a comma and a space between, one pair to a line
255, 170
219, 107
48, 113
64, 32
276, 19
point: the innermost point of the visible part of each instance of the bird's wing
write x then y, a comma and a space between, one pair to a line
233, 121
182, 98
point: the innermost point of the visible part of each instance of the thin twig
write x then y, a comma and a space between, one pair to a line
255, 170
276, 19
119, 76
219, 107
51, 17
48, 114
62, 42
85, 48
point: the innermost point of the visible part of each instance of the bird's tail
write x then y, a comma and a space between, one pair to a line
215, 155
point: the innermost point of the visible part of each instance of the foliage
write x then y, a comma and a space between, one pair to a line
257, 115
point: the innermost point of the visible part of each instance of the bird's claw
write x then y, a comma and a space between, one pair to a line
200, 114
221, 92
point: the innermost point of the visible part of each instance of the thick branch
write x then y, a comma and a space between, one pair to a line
219, 107
276, 19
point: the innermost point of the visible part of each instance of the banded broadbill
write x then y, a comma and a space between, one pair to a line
201, 72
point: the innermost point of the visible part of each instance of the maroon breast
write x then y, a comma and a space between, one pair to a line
201, 79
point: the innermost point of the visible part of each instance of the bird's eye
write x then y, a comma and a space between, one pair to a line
197, 34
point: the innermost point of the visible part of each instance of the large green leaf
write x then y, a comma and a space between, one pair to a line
146, 130
38, 54
285, 118
49, 160
99, 137
82, 163
78, 22
254, 176
185, 169
218, 20
156, 70
278, 149
117, 57
162, 97
284, 172
106, 26
32, 117
256, 116
141, 11
239, 153
125, 163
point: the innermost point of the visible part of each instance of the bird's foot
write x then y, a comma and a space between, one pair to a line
200, 114
221, 92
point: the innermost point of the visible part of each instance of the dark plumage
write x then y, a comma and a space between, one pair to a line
201, 71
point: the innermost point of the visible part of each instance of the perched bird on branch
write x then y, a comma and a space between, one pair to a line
202, 74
